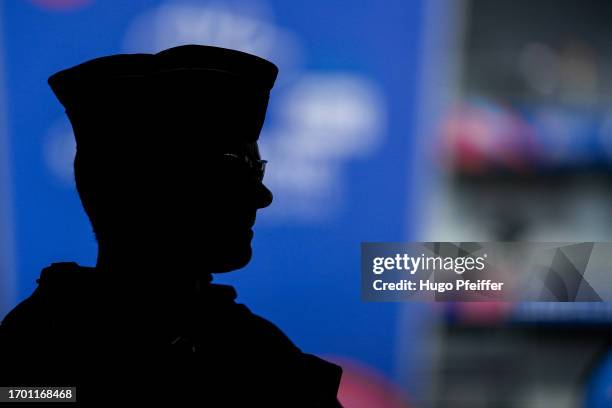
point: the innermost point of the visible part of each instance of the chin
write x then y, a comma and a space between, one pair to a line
230, 261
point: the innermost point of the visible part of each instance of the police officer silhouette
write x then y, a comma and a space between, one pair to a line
169, 173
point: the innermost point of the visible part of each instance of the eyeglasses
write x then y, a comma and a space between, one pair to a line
255, 166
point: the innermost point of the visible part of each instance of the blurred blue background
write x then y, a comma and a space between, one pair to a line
337, 135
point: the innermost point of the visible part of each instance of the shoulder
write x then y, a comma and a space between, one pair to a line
33, 313
321, 377
299, 371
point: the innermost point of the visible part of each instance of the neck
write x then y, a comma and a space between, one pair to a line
152, 270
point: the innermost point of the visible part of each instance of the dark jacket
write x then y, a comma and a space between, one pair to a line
77, 329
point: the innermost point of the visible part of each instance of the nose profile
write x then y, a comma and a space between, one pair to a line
264, 196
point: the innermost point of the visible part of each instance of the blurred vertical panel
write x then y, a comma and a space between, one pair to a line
438, 75
7, 267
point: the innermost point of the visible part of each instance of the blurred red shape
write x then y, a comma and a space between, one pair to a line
364, 387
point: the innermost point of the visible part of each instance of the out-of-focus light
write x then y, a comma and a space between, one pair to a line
580, 67
480, 135
599, 388
561, 133
338, 115
364, 387
323, 121
221, 25
605, 134
539, 64
59, 148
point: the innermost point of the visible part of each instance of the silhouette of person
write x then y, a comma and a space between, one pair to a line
169, 173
